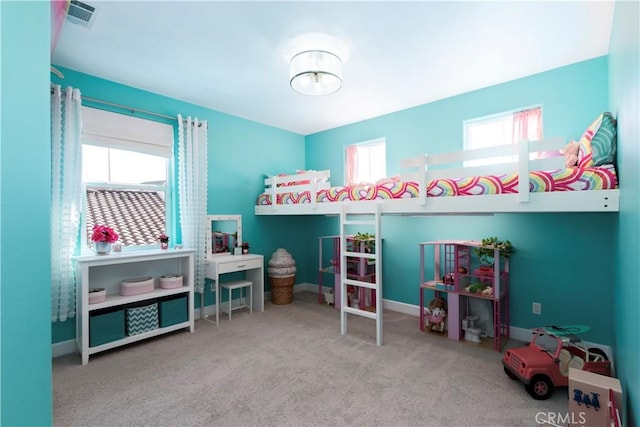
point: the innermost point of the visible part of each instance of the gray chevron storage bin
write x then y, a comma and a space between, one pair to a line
142, 319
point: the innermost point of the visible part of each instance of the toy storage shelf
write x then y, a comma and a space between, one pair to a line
107, 271
360, 269
455, 270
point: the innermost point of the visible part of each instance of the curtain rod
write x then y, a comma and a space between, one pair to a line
124, 107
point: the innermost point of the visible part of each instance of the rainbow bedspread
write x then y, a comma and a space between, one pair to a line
569, 179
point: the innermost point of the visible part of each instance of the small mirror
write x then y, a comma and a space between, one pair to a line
224, 234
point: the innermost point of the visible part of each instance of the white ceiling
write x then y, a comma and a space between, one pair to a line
233, 57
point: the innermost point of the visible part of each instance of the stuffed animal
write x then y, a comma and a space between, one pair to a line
570, 152
436, 314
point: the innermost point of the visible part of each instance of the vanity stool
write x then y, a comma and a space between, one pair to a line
239, 284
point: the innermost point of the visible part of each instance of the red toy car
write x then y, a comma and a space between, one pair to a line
544, 363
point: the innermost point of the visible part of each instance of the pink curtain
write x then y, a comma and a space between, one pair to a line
351, 164
59, 9
527, 125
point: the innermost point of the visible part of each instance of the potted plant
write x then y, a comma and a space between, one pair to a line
489, 244
368, 240
164, 241
103, 237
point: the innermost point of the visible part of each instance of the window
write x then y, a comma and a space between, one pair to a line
502, 129
125, 164
365, 162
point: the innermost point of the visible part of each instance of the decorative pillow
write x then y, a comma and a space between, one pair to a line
603, 143
571, 154
585, 156
598, 142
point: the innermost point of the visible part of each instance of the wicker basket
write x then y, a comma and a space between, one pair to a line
282, 289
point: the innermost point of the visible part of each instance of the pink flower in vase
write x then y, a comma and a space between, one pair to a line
102, 233
164, 241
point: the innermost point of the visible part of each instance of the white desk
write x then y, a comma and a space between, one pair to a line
253, 267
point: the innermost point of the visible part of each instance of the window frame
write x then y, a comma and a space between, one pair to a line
84, 241
118, 131
368, 143
494, 118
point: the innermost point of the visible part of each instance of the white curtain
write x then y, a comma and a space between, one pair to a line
66, 198
192, 190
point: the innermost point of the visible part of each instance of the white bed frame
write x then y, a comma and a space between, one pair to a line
425, 167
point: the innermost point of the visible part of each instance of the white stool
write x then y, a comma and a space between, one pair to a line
240, 284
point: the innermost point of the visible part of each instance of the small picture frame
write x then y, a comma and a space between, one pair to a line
237, 251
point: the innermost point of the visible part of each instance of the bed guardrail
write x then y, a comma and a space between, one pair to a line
520, 158
311, 181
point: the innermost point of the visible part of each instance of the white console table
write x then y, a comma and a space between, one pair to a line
107, 271
253, 267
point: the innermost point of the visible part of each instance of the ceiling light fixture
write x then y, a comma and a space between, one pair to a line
316, 72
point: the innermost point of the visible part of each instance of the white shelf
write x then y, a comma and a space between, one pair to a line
107, 271
115, 300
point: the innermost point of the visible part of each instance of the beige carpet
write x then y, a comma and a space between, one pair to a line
289, 366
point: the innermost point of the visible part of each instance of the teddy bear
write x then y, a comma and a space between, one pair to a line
570, 152
436, 314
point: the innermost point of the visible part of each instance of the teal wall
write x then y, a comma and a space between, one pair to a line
624, 72
25, 297
551, 247
240, 154
564, 261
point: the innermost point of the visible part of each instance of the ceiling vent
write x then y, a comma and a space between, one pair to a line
81, 13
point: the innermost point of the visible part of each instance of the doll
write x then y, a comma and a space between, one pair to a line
436, 314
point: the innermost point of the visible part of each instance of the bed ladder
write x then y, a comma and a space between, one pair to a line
370, 221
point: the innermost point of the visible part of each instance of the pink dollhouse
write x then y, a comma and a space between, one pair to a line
358, 269
459, 276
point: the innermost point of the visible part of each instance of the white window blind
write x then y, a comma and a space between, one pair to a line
107, 129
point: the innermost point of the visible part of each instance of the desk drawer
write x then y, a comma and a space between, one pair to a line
230, 267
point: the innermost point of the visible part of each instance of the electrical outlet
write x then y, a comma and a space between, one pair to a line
536, 308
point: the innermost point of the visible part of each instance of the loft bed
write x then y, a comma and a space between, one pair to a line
432, 184
537, 176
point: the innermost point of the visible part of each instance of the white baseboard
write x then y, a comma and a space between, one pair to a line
521, 334
63, 348
310, 287
401, 307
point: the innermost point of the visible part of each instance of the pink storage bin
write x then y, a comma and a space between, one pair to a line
97, 295
170, 281
139, 285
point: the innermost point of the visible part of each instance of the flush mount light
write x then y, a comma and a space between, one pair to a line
316, 72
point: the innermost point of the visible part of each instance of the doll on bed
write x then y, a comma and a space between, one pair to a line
436, 314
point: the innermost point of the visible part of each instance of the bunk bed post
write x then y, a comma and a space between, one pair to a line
523, 171
422, 176
378, 286
496, 273
313, 192
320, 287
274, 194
421, 289
343, 271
